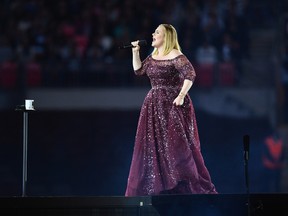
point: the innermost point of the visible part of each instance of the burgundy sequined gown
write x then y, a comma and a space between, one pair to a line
167, 158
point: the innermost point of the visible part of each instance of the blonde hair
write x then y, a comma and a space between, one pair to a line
170, 40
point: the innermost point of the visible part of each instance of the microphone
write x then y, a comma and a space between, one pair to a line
246, 141
140, 43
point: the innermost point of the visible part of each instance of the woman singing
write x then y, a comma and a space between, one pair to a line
167, 156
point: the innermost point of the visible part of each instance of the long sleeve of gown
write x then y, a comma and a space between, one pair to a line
185, 67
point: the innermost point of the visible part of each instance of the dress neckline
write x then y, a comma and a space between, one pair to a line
166, 59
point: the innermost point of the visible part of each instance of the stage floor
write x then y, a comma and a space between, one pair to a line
164, 205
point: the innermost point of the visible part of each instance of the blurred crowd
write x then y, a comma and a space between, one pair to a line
62, 43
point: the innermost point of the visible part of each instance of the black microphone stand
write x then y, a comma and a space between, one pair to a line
25, 145
246, 142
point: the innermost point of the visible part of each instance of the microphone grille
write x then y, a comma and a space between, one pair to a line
142, 43
246, 141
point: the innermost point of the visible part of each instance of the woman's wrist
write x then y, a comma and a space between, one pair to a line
181, 95
135, 51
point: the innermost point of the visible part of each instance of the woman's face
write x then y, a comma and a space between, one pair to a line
158, 37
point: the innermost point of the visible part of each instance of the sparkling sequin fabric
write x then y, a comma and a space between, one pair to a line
167, 158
